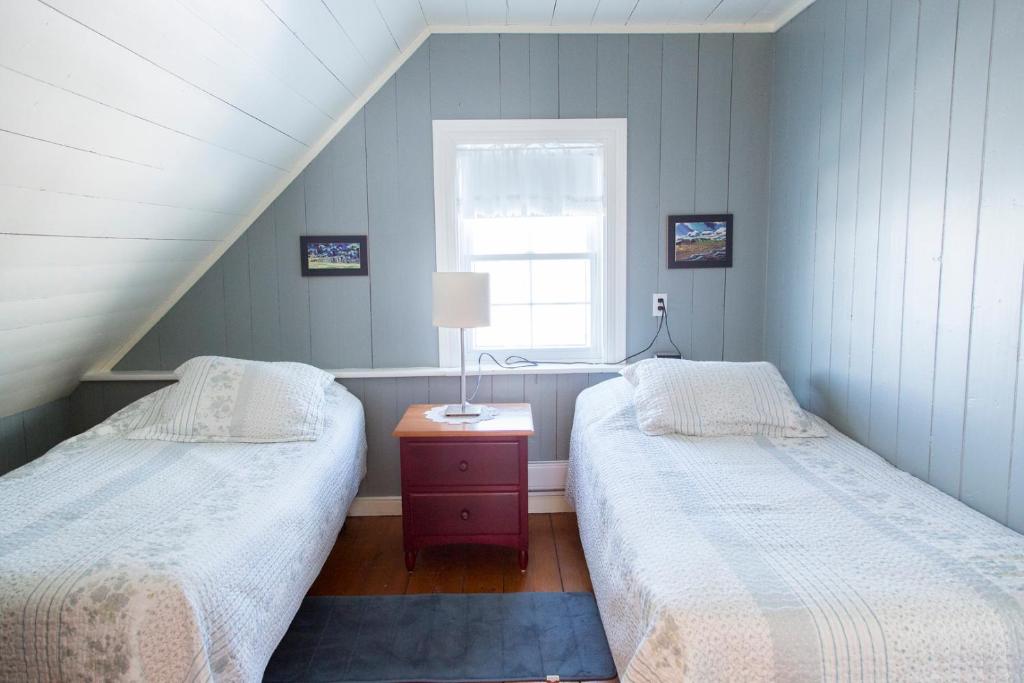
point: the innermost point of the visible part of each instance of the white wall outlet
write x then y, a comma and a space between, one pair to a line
656, 304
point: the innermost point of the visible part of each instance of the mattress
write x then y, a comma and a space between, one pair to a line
753, 558
149, 560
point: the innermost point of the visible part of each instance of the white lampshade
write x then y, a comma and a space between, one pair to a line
462, 299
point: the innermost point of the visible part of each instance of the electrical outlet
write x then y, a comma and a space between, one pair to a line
657, 302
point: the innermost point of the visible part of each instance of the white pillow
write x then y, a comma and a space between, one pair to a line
231, 400
715, 399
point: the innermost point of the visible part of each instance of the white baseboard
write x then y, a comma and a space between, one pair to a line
541, 502
548, 475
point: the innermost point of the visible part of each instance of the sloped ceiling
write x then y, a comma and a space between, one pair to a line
139, 138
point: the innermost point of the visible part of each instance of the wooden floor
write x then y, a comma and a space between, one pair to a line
368, 560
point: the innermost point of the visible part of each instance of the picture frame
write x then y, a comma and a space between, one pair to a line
333, 255
700, 240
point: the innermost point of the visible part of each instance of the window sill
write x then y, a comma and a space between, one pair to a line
379, 373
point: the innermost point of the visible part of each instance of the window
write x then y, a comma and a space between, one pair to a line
540, 206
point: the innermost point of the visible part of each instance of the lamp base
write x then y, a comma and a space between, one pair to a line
462, 410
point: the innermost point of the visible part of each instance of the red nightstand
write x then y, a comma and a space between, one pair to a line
465, 483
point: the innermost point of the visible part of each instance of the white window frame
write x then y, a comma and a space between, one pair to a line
611, 134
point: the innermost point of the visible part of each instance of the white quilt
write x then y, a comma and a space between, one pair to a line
755, 558
159, 561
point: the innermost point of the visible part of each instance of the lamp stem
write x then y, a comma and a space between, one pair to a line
462, 361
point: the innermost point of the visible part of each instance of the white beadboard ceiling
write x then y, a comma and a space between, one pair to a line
139, 138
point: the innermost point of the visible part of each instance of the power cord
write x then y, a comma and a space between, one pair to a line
513, 362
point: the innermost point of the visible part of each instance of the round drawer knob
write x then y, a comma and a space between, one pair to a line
463, 466
464, 514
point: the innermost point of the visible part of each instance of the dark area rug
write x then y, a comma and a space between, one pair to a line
444, 637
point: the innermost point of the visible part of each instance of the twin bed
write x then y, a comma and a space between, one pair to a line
713, 558
748, 558
136, 560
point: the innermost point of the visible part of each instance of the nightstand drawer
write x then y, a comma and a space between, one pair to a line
464, 514
457, 463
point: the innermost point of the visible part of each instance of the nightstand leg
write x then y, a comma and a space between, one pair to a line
524, 558
410, 559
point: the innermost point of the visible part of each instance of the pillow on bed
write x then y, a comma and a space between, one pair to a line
715, 399
232, 400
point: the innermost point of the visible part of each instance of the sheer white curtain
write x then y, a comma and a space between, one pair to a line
530, 180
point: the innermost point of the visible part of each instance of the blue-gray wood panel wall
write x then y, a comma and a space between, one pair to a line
384, 400
26, 435
698, 110
896, 253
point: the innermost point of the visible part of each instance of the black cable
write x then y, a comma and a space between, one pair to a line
515, 361
668, 329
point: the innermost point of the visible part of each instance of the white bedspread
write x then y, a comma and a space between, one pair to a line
158, 561
751, 559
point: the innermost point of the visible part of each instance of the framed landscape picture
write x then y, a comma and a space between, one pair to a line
333, 254
700, 241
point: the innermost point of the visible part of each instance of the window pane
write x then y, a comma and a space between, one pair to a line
562, 234
510, 280
561, 281
537, 235
561, 325
488, 236
510, 329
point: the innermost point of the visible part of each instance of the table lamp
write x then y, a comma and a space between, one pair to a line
462, 300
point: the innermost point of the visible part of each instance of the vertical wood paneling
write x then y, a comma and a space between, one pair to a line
237, 299
45, 426
543, 76
876, 57
748, 197
514, 67
507, 389
336, 205
918, 262
827, 198
846, 209
266, 325
960, 235
567, 388
539, 392
26, 435
714, 93
995, 329
892, 229
195, 326
380, 400
144, 355
786, 79
936, 41
612, 57
292, 289
464, 77
385, 221
12, 443
577, 76
678, 176
86, 407
410, 265
643, 169
598, 377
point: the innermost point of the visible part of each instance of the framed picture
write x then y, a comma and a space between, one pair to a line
700, 241
333, 254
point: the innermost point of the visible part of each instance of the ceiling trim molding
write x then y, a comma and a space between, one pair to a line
106, 364
760, 27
